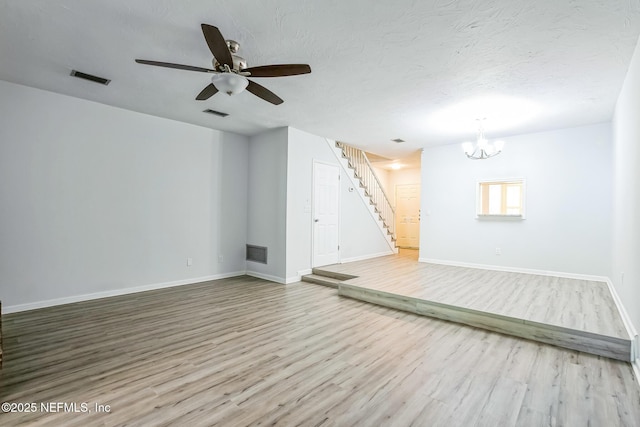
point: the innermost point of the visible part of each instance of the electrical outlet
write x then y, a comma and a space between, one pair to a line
189, 262
220, 259
498, 251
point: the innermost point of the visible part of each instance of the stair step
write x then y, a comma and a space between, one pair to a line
332, 274
321, 280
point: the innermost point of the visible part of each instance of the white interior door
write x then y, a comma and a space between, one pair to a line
326, 214
408, 215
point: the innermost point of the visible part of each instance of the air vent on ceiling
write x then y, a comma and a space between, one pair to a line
398, 140
257, 253
90, 77
216, 113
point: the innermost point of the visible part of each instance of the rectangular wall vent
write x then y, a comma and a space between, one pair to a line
257, 254
90, 77
216, 113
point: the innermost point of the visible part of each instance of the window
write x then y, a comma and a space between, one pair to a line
501, 198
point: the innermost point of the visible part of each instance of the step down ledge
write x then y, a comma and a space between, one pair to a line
321, 280
332, 274
588, 342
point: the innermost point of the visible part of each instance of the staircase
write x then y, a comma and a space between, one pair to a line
358, 161
360, 173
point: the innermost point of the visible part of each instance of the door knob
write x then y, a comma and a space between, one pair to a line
316, 220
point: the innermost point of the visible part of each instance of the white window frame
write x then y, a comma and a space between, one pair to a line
481, 216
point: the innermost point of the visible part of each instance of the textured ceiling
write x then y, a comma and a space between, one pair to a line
381, 70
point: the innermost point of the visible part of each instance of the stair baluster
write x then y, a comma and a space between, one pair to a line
358, 161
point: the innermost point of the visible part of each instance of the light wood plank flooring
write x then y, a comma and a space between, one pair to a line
574, 314
569, 303
243, 351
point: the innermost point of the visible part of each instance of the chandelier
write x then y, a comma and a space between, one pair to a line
483, 148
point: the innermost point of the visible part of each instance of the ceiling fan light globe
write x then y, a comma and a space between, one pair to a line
229, 83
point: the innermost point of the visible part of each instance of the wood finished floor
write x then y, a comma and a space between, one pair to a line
243, 351
570, 303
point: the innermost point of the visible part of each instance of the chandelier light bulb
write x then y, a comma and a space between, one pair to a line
483, 148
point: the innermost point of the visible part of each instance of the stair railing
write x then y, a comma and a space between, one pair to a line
359, 162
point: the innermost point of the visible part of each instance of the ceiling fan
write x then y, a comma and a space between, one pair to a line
230, 71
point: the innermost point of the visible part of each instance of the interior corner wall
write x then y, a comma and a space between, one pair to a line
360, 236
97, 200
267, 209
626, 206
568, 203
231, 173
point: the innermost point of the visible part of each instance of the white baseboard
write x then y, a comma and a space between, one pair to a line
298, 276
636, 369
363, 257
268, 277
516, 270
115, 292
628, 324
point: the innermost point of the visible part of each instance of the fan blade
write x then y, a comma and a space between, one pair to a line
207, 92
279, 70
264, 93
217, 45
178, 66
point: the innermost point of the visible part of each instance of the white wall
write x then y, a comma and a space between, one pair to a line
360, 236
568, 203
230, 171
98, 200
626, 206
267, 217
303, 149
